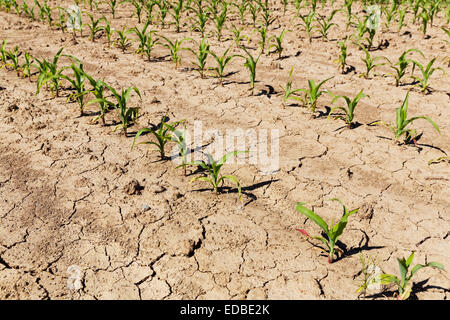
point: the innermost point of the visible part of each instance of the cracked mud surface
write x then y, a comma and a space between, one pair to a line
74, 194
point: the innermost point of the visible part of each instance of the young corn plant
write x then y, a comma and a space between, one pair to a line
123, 42
266, 13
176, 13
370, 63
3, 53
242, 8
163, 6
175, 49
138, 6
313, 93
348, 7
308, 21
78, 82
150, 42
289, 93
401, 123
94, 26
277, 43
325, 24
128, 115
113, 6
212, 169
342, 60
50, 74
404, 283
238, 36
401, 66
201, 16
219, 20
98, 89
13, 57
427, 71
262, 30
332, 231
179, 137
26, 67
62, 21
250, 63
201, 54
349, 110
142, 36
162, 133
108, 31
222, 62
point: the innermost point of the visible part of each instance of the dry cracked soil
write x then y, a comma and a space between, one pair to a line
76, 201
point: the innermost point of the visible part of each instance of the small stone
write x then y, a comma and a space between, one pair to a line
145, 207
133, 187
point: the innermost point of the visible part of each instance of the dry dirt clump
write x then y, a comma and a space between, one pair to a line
84, 216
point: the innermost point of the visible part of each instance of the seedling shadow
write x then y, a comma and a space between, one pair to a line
352, 251
269, 92
323, 114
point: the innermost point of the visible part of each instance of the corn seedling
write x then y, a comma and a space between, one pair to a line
348, 6
401, 19
298, 6
142, 36
3, 52
220, 19
404, 283
179, 137
242, 8
98, 88
176, 13
113, 6
49, 73
13, 57
163, 7
332, 231
62, 22
238, 36
308, 24
222, 62
390, 13
94, 26
253, 12
342, 60
201, 16
212, 169
78, 82
162, 135
262, 30
401, 122
123, 42
108, 31
313, 93
426, 71
289, 93
349, 110
370, 273
402, 64
127, 114
370, 63
325, 24
26, 67
138, 6
277, 43
201, 55
250, 63
266, 13
174, 49
149, 6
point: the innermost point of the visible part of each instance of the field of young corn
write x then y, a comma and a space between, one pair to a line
93, 207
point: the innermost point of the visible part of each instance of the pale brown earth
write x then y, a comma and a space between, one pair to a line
63, 181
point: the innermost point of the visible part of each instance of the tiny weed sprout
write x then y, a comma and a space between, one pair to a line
222, 62
201, 55
404, 283
250, 63
401, 122
174, 49
162, 135
426, 71
349, 110
438, 160
277, 43
313, 93
370, 63
94, 26
402, 64
332, 231
213, 172
127, 114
